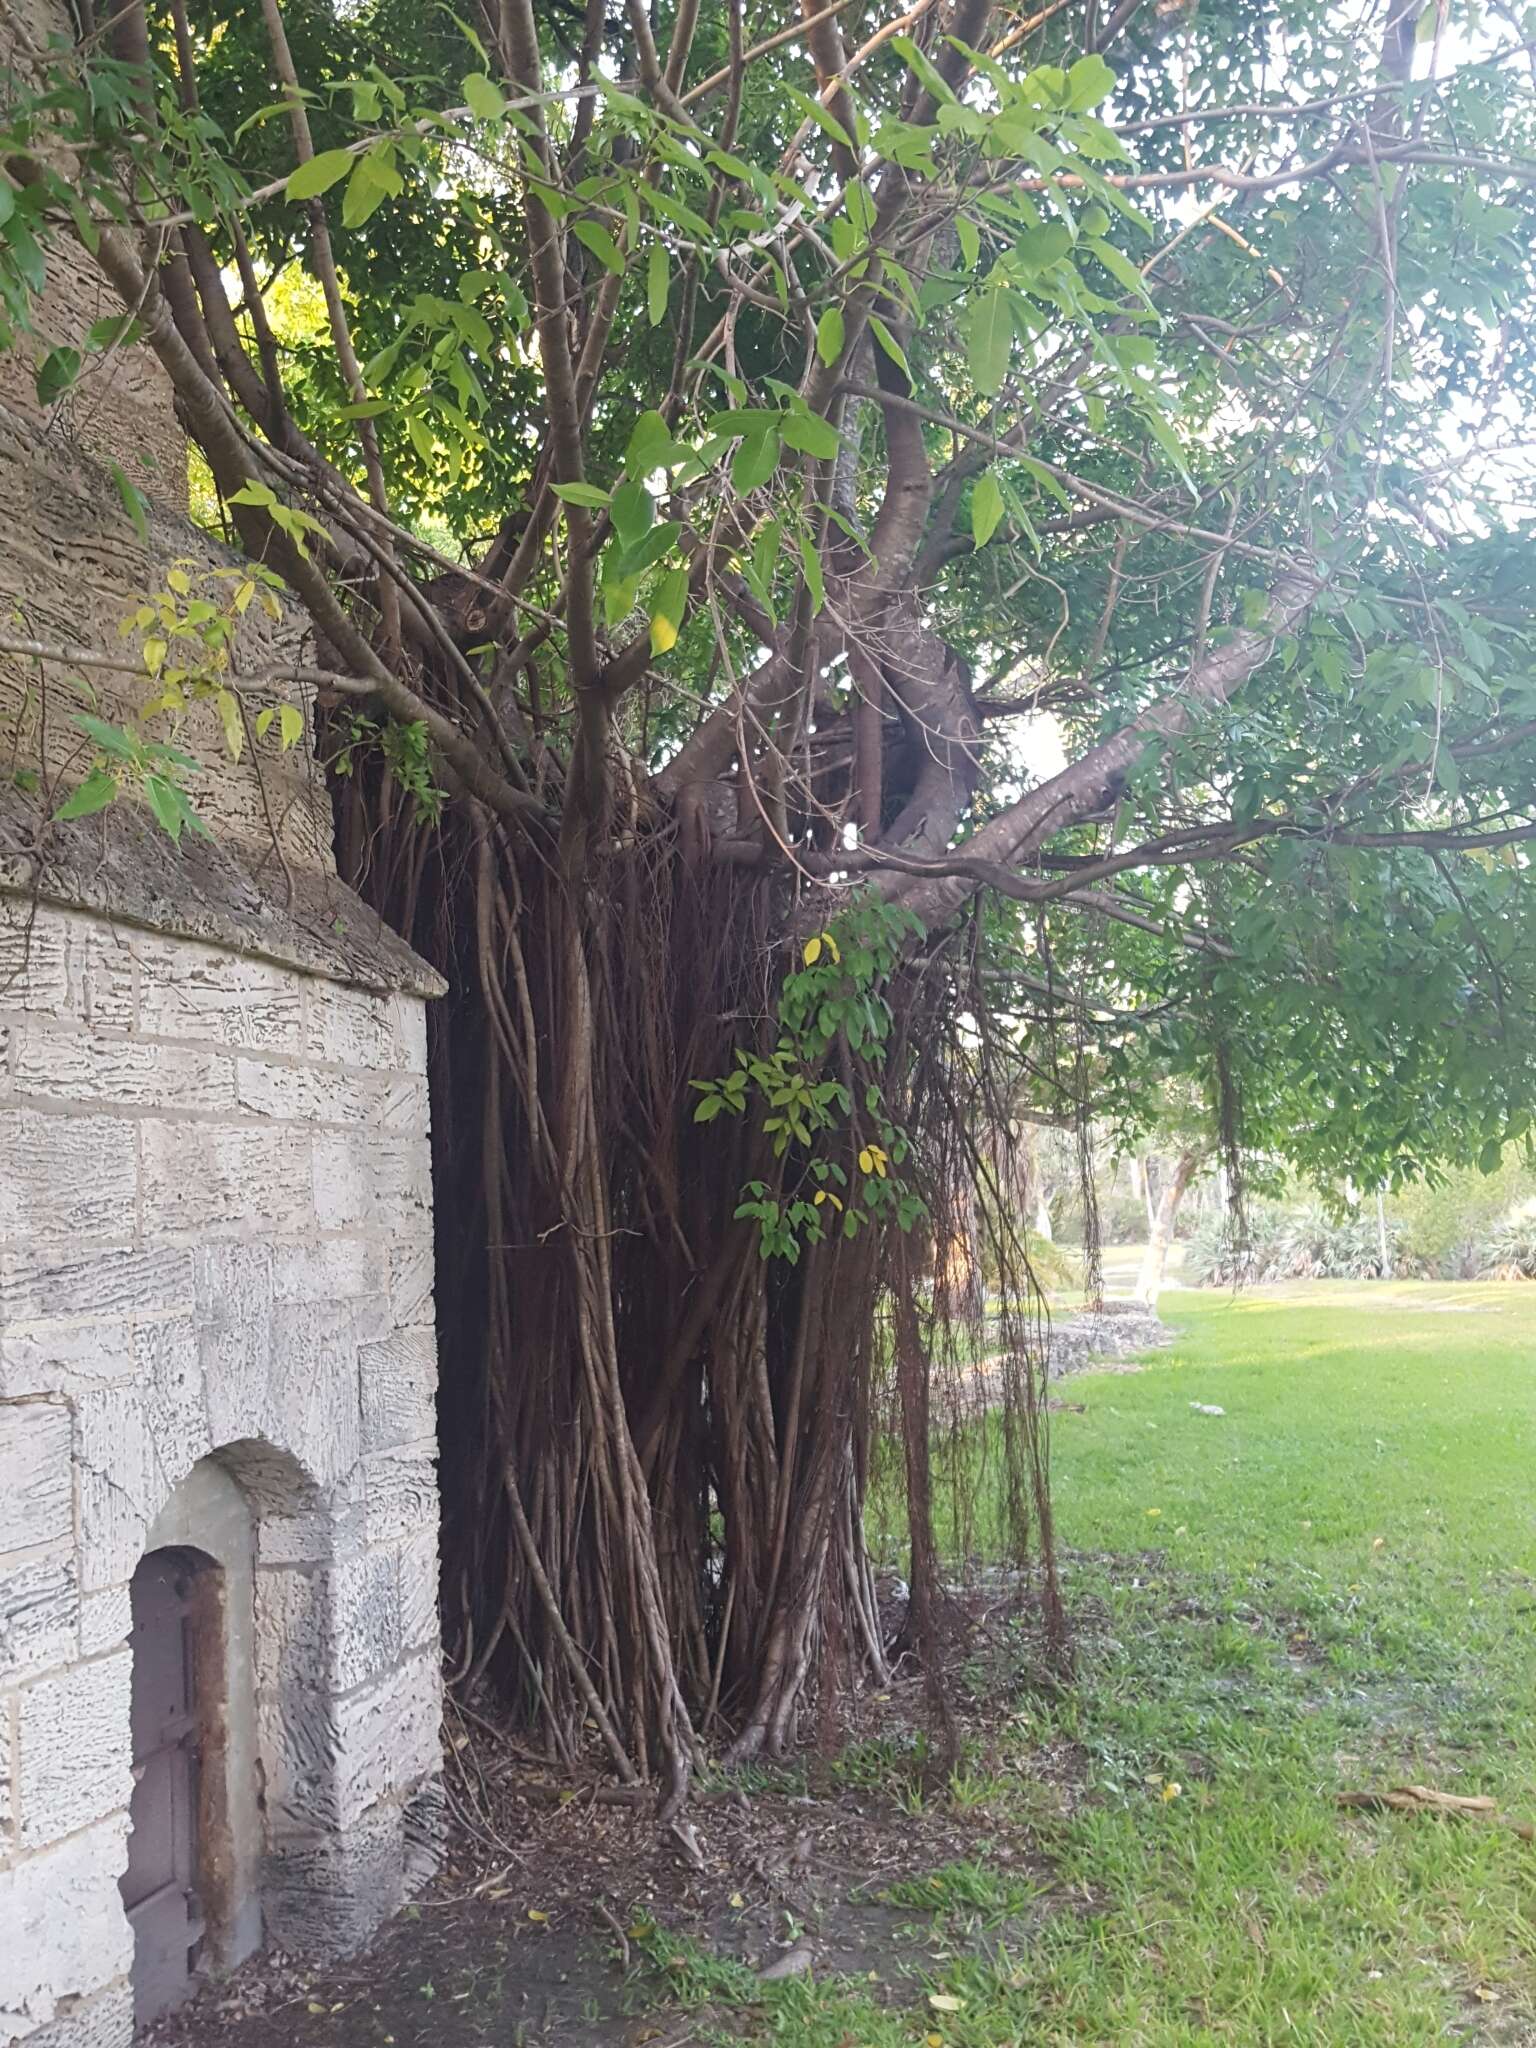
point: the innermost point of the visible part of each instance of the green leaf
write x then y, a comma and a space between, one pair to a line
56, 372
755, 460
920, 65
582, 494
658, 283
969, 236
634, 512
651, 446
1120, 266
94, 794
319, 174
601, 243
825, 120
986, 509
1040, 247
113, 330
811, 563
890, 344
989, 341
829, 335
482, 97
811, 434
1089, 81
290, 725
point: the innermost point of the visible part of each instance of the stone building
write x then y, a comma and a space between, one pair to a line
219, 1669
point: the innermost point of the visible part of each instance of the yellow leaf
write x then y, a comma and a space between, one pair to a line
154, 655
1154, 1512
737, 1900
832, 948
290, 725
663, 633
179, 581
535, 1914
1380, 1543
243, 595
1171, 1792
933, 2040
812, 952
866, 1161
945, 2001
315, 2005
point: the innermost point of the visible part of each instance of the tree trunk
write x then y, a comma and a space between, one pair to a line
1149, 1282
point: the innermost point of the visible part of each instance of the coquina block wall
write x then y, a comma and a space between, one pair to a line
219, 1668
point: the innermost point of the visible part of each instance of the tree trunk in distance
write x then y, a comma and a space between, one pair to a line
1154, 1265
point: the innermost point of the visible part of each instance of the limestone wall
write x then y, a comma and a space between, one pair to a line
215, 1239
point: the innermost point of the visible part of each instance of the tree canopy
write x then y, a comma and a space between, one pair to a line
859, 564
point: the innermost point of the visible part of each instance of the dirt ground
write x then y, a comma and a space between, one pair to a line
541, 1925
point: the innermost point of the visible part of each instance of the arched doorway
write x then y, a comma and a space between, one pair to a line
177, 1647
192, 1886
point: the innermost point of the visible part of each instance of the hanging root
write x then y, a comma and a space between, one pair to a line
656, 1442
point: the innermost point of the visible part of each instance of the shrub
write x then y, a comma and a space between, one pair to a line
1509, 1250
1307, 1243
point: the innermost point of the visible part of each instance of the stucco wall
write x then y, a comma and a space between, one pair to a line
215, 1238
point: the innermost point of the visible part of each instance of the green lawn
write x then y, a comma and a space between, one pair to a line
1330, 1586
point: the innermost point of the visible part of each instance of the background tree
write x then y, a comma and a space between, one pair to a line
727, 438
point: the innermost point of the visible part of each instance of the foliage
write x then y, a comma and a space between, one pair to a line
706, 466
1509, 1250
1306, 1242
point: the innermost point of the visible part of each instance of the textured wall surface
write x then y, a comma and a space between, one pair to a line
215, 1240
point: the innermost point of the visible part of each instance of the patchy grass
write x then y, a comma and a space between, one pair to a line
1330, 1586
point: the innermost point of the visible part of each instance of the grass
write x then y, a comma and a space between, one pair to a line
1330, 1586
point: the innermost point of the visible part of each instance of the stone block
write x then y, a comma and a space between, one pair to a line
354, 1269
105, 2021
313, 1402
417, 1562
201, 993
410, 1282
401, 1104
38, 1285
309, 1095
411, 1033
375, 1180
62, 1357
72, 1765
398, 1380
332, 1626
37, 965
348, 1026
323, 1895
36, 1489
118, 1492
331, 1760
401, 1493
168, 1366
65, 1179
83, 1066
106, 1619
232, 1282
222, 1180
108, 973
39, 1613
66, 1936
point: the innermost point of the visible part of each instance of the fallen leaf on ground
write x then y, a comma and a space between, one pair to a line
795, 1964
945, 2001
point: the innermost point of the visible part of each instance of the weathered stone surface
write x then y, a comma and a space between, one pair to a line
399, 1388
348, 1027
83, 1066
105, 2021
333, 1627
418, 1569
311, 1095
39, 1614
411, 1027
222, 1180
36, 1486
118, 1280
199, 992
401, 1492
105, 1620
117, 1489
325, 1892
410, 1281
61, 1357
64, 1179
37, 969
73, 1750
168, 1365
65, 1933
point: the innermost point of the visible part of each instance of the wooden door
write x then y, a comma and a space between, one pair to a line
160, 1885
